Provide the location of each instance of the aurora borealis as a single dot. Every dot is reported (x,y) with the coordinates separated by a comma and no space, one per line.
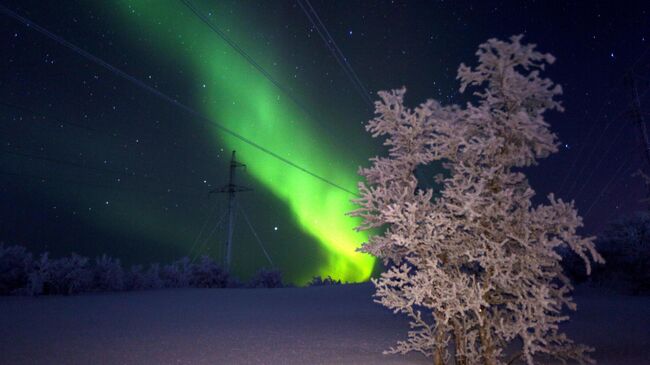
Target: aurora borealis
(243,100)
(96,165)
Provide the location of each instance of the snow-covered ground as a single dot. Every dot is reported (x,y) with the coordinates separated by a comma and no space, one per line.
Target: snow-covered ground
(321,325)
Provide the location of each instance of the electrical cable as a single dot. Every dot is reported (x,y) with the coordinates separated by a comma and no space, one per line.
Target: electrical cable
(87,167)
(81,126)
(336,52)
(599,114)
(61,180)
(208,217)
(257,238)
(164,96)
(247,57)
(612,143)
(615,176)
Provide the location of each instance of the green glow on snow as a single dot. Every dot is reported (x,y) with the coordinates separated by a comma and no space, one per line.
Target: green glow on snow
(236,95)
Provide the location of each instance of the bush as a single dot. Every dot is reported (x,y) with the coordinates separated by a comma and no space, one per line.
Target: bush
(152,278)
(318,281)
(266,278)
(107,274)
(15,264)
(134,279)
(64,276)
(208,274)
(177,274)
(21,274)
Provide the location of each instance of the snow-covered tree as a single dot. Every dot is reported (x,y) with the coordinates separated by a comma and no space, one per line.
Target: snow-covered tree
(328,281)
(108,274)
(64,276)
(134,279)
(177,274)
(476,267)
(15,264)
(266,278)
(152,278)
(208,274)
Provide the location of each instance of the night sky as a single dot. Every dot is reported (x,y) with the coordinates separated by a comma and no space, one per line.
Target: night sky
(93,163)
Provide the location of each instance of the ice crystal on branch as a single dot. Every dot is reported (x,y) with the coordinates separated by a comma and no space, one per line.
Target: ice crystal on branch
(476,269)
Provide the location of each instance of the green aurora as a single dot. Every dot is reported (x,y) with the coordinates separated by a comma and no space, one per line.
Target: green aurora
(236,95)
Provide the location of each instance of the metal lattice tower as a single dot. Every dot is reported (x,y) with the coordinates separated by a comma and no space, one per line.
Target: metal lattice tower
(232,190)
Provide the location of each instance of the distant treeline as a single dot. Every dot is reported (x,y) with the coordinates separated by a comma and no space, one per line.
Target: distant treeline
(22,273)
(625,245)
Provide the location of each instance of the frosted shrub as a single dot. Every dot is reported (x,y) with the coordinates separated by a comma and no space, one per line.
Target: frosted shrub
(107,274)
(38,275)
(134,279)
(65,276)
(476,268)
(208,274)
(318,281)
(266,278)
(177,274)
(15,264)
(153,277)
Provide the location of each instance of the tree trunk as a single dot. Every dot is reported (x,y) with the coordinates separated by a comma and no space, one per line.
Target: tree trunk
(437,358)
(459,342)
(438,353)
(487,347)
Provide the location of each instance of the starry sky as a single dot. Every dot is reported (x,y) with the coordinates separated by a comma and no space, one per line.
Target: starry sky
(94,163)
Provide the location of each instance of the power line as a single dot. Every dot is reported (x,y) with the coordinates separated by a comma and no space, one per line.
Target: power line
(336,51)
(606,187)
(31,111)
(593,150)
(257,238)
(246,56)
(599,116)
(207,219)
(207,238)
(85,166)
(637,115)
(613,141)
(163,96)
(582,145)
(341,55)
(202,246)
(81,126)
(57,179)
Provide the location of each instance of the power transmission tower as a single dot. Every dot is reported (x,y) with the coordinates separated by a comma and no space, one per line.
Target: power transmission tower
(232,190)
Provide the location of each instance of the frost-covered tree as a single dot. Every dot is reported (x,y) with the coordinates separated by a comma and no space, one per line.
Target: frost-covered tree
(108,274)
(177,274)
(476,267)
(64,276)
(134,279)
(266,278)
(208,274)
(15,264)
(328,281)
(152,278)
